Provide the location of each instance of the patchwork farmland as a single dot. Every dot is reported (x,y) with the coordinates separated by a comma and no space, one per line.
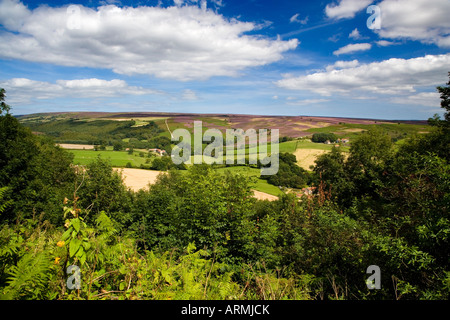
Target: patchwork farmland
(125,139)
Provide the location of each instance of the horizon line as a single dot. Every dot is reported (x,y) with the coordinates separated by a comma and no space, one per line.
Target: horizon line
(213,114)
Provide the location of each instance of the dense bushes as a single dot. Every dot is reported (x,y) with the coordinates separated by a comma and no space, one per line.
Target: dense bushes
(404,196)
(112,267)
(165,163)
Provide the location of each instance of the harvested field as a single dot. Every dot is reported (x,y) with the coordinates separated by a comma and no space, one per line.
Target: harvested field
(76,146)
(137,179)
(353,130)
(264,196)
(306,157)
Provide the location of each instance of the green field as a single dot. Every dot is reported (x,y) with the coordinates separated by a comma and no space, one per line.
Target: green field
(117,158)
(121,158)
(289,146)
(307,144)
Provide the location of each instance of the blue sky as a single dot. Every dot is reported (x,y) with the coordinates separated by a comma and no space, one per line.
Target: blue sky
(317,58)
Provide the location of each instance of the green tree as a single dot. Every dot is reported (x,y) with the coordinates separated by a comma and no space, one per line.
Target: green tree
(322,137)
(37,173)
(330,170)
(444,92)
(118,146)
(367,161)
(165,163)
(101,188)
(289,173)
(438,141)
(201,206)
(161,163)
(3,106)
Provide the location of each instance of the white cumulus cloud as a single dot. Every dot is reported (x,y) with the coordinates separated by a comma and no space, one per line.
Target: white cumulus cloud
(182,43)
(295,19)
(355,35)
(354,47)
(346,8)
(342,65)
(13,13)
(385,43)
(23,90)
(422,20)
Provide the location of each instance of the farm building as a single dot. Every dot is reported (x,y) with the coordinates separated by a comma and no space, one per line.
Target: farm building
(308,191)
(158,151)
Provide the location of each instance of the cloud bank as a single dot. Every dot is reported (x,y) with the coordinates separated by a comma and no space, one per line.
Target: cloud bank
(23,90)
(389,77)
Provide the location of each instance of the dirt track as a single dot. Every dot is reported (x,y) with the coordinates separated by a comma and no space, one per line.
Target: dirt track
(137,179)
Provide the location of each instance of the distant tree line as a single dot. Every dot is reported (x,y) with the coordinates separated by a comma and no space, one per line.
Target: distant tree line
(322,137)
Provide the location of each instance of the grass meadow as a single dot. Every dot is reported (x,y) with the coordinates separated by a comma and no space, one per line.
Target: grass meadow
(117,158)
